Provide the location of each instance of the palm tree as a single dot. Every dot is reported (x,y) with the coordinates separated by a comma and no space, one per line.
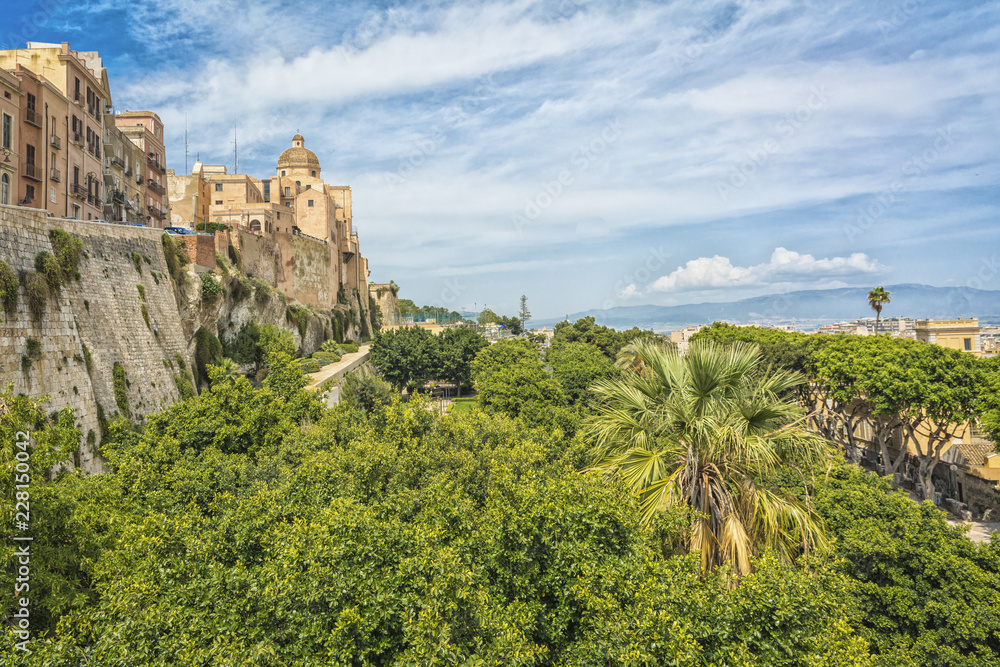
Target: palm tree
(705,430)
(635,351)
(876,298)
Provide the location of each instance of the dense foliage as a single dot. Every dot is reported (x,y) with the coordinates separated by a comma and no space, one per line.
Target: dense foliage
(585,330)
(249,525)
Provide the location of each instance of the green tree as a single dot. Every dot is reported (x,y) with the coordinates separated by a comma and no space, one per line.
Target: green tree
(524,313)
(406,356)
(365,391)
(459,347)
(487,316)
(512,324)
(926,393)
(706,430)
(989,399)
(578,365)
(925,594)
(877,298)
(586,330)
(502,354)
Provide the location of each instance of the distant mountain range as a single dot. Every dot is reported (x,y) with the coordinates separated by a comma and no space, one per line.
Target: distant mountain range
(805,309)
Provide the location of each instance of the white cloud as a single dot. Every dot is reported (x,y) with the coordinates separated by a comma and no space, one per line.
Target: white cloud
(784,266)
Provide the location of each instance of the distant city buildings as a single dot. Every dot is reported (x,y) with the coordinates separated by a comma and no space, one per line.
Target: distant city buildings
(64,150)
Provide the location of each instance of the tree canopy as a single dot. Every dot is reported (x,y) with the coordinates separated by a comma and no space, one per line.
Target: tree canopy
(251,524)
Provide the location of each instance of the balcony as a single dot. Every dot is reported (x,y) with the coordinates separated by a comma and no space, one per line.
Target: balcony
(155,187)
(117,162)
(33,117)
(107,139)
(155,212)
(93,200)
(128,171)
(78,190)
(55,142)
(54,175)
(32,171)
(151,161)
(118,196)
(138,178)
(78,139)
(78,98)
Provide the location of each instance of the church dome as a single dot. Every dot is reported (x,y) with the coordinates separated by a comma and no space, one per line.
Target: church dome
(298,156)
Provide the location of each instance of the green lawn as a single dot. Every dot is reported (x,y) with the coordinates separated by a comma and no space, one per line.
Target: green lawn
(462,405)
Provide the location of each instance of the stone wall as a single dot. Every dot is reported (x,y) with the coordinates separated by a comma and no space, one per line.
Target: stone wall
(261,257)
(200,249)
(388,302)
(101,312)
(223,241)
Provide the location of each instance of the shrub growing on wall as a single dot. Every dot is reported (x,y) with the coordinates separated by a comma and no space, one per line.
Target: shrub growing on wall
(208,350)
(300,317)
(210,288)
(234,257)
(121,388)
(8,287)
(137,261)
(175,257)
(37,290)
(68,250)
(47,265)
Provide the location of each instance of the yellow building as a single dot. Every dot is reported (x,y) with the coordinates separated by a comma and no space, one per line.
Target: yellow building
(960,334)
(294,202)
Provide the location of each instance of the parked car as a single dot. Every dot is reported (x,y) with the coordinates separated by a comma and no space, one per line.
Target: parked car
(178,230)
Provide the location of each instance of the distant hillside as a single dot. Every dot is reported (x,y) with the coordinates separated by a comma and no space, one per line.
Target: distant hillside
(808,308)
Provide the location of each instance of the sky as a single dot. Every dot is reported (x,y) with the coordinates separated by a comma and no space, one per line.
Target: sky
(592,154)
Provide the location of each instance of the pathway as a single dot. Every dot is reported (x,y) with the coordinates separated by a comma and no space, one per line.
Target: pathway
(347,363)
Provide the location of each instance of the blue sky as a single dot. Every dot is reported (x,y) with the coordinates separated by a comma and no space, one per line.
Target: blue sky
(593,154)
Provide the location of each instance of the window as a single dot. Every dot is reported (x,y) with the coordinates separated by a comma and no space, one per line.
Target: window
(76,176)
(8,122)
(218,202)
(29,194)
(218,187)
(968,344)
(282,172)
(30,154)
(310,202)
(76,211)
(31,101)
(288,204)
(298,184)
(288,192)
(4,189)
(52,195)
(314,173)
(308,187)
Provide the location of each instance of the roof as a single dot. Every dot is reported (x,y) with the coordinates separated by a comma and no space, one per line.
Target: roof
(298,157)
(976,451)
(138,114)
